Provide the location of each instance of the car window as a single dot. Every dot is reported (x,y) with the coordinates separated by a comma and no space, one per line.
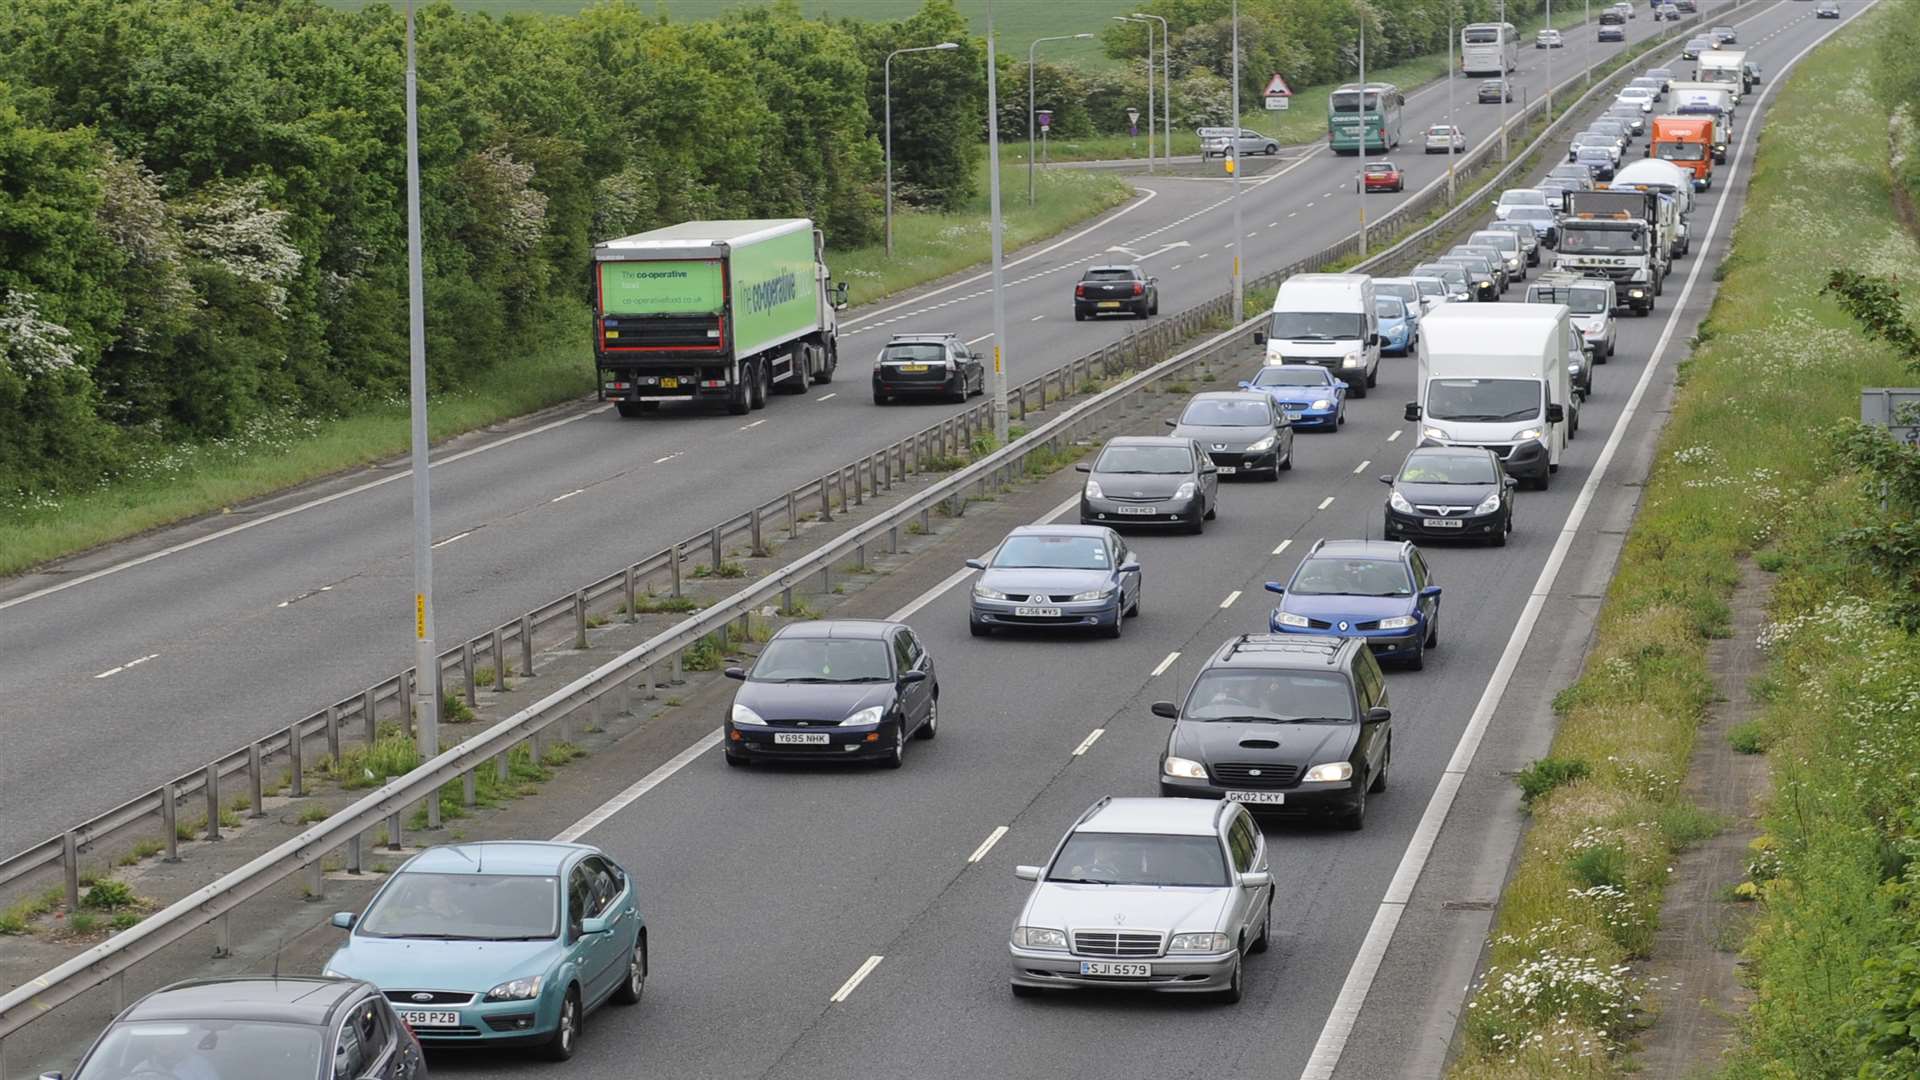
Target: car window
(1419,570)
(1043,552)
(1366,684)
(918,352)
(477,907)
(349,1052)
(1108,275)
(604,885)
(1140,859)
(1228,412)
(902,655)
(1248,695)
(1292,376)
(371,1021)
(822,660)
(1351,577)
(579,897)
(1240,843)
(1135,458)
(914,651)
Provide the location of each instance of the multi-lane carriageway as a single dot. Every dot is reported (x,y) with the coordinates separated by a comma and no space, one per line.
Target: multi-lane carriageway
(836,923)
(183,645)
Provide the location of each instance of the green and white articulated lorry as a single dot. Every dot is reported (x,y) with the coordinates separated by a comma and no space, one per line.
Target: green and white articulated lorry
(714,310)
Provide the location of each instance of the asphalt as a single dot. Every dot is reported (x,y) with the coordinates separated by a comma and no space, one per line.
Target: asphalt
(117,681)
(768,888)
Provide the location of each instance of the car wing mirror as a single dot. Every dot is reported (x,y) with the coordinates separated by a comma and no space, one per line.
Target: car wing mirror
(976,564)
(1027,873)
(1256,879)
(908,678)
(1275,587)
(1130,567)
(1386,478)
(599,924)
(1245,385)
(343,919)
(1556,413)
(1259,337)
(1173,423)
(1430,591)
(1079,466)
(1379,714)
(1413,411)
(1166,709)
(735,673)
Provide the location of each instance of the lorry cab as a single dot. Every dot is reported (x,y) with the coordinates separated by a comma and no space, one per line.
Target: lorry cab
(1686,141)
(1496,376)
(1328,320)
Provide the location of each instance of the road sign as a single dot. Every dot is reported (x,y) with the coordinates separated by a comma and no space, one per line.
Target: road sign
(1277,102)
(1277,87)
(1133,121)
(1045,116)
(1895,408)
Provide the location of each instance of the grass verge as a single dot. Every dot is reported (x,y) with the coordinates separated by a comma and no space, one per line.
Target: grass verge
(1740,463)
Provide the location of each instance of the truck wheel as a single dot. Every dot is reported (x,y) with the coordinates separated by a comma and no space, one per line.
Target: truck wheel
(757,387)
(825,374)
(740,398)
(802,376)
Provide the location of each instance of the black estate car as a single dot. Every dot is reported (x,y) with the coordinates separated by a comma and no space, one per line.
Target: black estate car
(1111,290)
(927,365)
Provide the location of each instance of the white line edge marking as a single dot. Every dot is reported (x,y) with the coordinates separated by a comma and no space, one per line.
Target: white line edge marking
(451,539)
(111,671)
(853,981)
(755,424)
(568,495)
(978,340)
(824,397)
(289,511)
(1228,602)
(1393,436)
(1324,503)
(1087,743)
(640,787)
(676,453)
(1284,544)
(1036,318)
(1362,467)
(987,844)
(1161,668)
(1345,1012)
(142,660)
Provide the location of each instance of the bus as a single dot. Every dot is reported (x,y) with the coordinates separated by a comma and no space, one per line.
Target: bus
(1383,107)
(1489,49)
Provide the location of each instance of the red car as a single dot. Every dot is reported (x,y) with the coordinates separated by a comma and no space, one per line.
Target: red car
(1383,176)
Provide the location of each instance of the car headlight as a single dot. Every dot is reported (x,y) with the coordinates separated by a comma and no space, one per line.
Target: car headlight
(1199,943)
(1486,283)
(1573,367)
(1094,594)
(1321,403)
(1332,770)
(1262,446)
(1093,490)
(516,989)
(1526,433)
(1353,359)
(1398,622)
(1185,491)
(745,717)
(985,593)
(1288,618)
(1433,433)
(1489,504)
(1636,293)
(1039,937)
(1399,502)
(865,716)
(1185,768)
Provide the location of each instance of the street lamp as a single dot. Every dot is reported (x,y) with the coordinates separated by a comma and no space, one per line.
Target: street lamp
(1549,63)
(426,664)
(1503,81)
(1166,84)
(999,240)
(1149,26)
(1451,129)
(886,92)
(1030,109)
(1366,14)
(1233,145)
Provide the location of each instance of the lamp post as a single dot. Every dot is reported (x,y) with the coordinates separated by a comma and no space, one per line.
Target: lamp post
(426,663)
(1451,129)
(999,240)
(886,93)
(1586,19)
(1166,85)
(1149,26)
(1233,143)
(1504,91)
(1549,63)
(1030,100)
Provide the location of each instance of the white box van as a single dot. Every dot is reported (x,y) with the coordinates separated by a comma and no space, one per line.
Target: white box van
(1495,375)
(1327,320)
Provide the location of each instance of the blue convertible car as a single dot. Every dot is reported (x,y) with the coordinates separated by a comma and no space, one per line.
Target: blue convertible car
(1310,395)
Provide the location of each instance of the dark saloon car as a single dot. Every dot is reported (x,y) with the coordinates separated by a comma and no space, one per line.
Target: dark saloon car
(1283,724)
(1491,89)
(927,365)
(1113,290)
(292,1027)
(1450,493)
(1245,433)
(835,690)
(1379,590)
(1056,577)
(1150,480)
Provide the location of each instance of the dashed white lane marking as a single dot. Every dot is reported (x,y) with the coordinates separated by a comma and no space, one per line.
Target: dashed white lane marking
(1204,254)
(1293,213)
(978,340)
(1393,436)
(1362,467)
(1283,546)
(1231,597)
(1177,266)
(1326,502)
(854,980)
(1088,742)
(129,664)
(669,457)
(568,495)
(824,397)
(1036,318)
(451,539)
(987,844)
(1165,664)
(749,427)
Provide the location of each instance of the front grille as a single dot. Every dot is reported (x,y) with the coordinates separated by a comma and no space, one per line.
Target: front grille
(1123,944)
(1271,775)
(1321,361)
(1441,511)
(1039,598)
(1500,451)
(411,999)
(662,331)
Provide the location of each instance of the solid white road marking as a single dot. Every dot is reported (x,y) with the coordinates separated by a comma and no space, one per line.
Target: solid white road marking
(568,495)
(1326,502)
(1231,597)
(1087,743)
(755,424)
(125,666)
(847,988)
(1366,965)
(1177,266)
(987,844)
(978,340)
(451,539)
(1283,546)
(1164,665)
(824,397)
(1362,467)
(1393,436)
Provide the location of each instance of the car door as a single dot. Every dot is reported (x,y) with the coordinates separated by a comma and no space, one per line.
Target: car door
(1209,476)
(589,959)
(349,1049)
(912,712)
(404,1063)
(377,1041)
(1282,432)
(926,688)
(1244,907)
(1370,686)
(1423,577)
(608,899)
(1128,582)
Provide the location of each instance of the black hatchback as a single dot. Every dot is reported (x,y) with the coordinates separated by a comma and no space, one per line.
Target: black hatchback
(1283,724)
(296,1027)
(1450,493)
(834,690)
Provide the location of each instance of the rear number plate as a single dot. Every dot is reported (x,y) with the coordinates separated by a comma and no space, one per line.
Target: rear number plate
(801,738)
(430,1019)
(1272,797)
(1110,967)
(669,383)
(1135,509)
(1228,470)
(1037,612)
(913,369)
(1442,523)
(1109,303)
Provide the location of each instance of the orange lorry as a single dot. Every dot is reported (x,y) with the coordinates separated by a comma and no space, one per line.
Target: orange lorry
(1687,141)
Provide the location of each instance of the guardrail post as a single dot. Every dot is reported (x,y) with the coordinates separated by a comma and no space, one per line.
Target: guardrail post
(502,767)
(296,768)
(222,936)
(859,488)
(469,789)
(893,540)
(526,646)
(860,556)
(353,854)
(495,650)
(393,831)
(316,887)
(370,713)
(826,578)
(333,738)
(713,550)
(753,526)
(70,866)
(212,784)
(466,671)
(786,600)
(580,619)
(793,519)
(926,521)
(826,498)
(170,822)
(254,784)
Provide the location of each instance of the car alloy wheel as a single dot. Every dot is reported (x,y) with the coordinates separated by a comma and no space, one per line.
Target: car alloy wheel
(898,757)
(1266,929)
(932,727)
(1386,762)
(1231,995)
(636,981)
(567,1033)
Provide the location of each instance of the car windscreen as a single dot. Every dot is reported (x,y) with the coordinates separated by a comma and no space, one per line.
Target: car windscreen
(1441,130)
(1220,413)
(1447,272)
(1595,153)
(1575,240)
(1523,198)
(1430,286)
(1318,325)
(1405,290)
(1481,37)
(1531,213)
(1278,697)
(1390,307)
(1483,401)
(1448,469)
(823,660)
(1126,458)
(1052,553)
(222,1049)
(1585,301)
(1494,238)
(465,907)
(1328,576)
(1680,151)
(919,353)
(1108,275)
(1139,859)
(1381,169)
(1281,376)
(1348,101)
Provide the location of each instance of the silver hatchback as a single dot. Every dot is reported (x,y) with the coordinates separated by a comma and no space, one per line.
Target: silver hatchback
(1152,894)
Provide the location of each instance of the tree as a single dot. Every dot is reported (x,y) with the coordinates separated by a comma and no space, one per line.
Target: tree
(939,102)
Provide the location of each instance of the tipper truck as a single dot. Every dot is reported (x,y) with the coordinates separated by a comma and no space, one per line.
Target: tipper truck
(1617,235)
(714,310)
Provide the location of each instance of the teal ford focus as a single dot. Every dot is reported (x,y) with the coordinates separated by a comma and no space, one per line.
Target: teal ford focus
(500,943)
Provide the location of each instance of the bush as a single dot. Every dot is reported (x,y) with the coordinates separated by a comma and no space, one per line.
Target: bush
(1546,774)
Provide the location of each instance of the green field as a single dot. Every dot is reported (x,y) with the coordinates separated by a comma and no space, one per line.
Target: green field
(1018,22)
